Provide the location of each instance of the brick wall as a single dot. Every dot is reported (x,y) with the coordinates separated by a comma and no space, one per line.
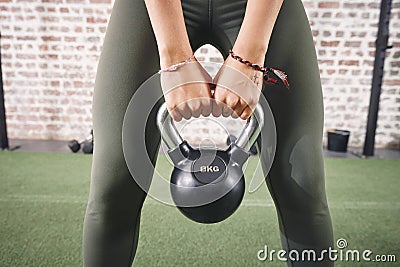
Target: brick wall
(50,50)
(345,34)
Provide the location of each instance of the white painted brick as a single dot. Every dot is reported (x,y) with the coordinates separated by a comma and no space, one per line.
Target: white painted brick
(50,53)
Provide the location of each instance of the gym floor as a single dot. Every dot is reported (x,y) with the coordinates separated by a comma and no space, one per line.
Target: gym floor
(43,199)
(61,147)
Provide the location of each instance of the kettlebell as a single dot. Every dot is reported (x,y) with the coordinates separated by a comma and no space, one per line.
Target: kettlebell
(207,184)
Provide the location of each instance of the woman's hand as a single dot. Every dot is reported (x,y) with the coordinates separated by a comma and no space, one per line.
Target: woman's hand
(237,89)
(251,44)
(173,45)
(187,91)
(184,98)
(189,100)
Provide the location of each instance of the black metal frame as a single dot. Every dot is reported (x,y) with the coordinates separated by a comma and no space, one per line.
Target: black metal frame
(3,125)
(381,46)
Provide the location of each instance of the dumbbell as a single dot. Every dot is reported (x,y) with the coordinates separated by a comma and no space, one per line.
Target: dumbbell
(87,144)
(87,147)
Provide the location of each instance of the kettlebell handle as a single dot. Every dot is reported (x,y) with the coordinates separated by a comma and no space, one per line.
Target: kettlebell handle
(246,139)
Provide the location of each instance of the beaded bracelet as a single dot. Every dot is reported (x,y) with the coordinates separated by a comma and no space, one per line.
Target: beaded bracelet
(177,66)
(265,70)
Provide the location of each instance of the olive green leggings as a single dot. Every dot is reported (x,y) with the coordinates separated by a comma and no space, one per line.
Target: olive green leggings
(296,178)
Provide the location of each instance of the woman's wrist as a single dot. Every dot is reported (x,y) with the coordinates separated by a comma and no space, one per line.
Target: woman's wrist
(251,51)
(172,55)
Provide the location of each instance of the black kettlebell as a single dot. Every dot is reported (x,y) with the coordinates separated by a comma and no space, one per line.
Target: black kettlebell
(207,185)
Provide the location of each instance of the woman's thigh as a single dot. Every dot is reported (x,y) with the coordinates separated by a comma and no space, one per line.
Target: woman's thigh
(298,111)
(296,179)
(129,56)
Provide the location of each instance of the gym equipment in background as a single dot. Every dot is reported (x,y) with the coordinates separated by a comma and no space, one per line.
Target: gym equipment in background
(207,185)
(87,144)
(338,140)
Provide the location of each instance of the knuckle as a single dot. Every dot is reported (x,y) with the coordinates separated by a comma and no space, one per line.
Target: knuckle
(171,105)
(205,102)
(176,117)
(216,112)
(218,98)
(193,106)
(244,116)
(254,101)
(206,111)
(232,101)
(243,106)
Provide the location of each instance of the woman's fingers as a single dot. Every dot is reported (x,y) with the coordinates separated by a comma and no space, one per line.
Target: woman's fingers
(206,106)
(228,103)
(194,107)
(246,113)
(176,116)
(217,108)
(194,100)
(226,111)
(185,111)
(233,102)
(189,100)
(240,107)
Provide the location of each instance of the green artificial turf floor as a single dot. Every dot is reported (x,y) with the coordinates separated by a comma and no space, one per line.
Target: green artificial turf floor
(43,198)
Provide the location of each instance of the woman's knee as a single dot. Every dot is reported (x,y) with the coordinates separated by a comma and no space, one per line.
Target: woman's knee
(297,178)
(112,185)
